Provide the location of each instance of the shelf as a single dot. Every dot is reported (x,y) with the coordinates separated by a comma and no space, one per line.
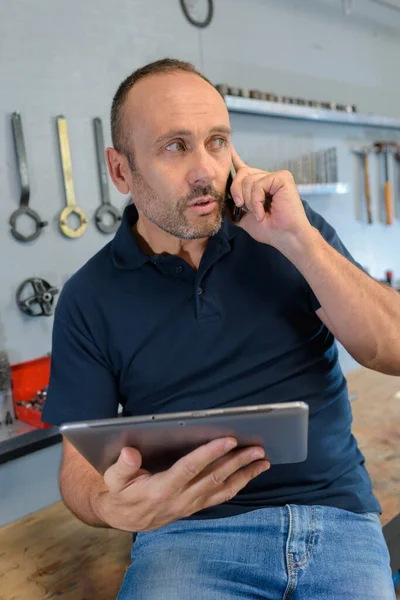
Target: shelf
(317,189)
(292,111)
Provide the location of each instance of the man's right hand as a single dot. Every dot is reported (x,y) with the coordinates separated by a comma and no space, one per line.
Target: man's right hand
(214,473)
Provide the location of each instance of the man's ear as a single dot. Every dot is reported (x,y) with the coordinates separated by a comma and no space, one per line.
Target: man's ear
(118,168)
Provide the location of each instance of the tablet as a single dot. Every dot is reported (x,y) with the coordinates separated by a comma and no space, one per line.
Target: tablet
(281,429)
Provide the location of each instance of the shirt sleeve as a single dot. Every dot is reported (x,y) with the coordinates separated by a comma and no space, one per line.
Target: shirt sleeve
(330,235)
(82,385)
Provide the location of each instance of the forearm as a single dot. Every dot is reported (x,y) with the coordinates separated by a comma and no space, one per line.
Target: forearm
(82,489)
(362,314)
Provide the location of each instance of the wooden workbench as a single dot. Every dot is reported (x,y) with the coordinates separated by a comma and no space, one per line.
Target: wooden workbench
(50,554)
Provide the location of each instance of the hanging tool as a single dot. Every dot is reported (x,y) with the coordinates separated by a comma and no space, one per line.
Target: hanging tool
(24,208)
(106,207)
(397,183)
(367,189)
(383,148)
(363,155)
(41,300)
(6,400)
(71,207)
(199,14)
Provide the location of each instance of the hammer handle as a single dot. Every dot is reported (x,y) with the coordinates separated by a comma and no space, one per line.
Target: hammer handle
(388,203)
(367,188)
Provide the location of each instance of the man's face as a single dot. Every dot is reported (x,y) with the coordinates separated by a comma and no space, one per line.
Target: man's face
(179,136)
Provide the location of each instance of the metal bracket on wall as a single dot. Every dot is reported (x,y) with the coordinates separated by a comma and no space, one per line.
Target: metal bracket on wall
(198,12)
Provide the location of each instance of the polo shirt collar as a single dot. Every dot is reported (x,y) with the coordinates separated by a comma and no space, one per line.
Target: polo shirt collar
(125,249)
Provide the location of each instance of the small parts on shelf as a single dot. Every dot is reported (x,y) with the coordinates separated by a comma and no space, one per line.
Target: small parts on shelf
(316,114)
(6,402)
(313,168)
(37,402)
(9,422)
(228,90)
(29,385)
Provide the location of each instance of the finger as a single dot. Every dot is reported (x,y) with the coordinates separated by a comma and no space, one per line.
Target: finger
(190,466)
(217,473)
(238,163)
(120,475)
(256,203)
(241,182)
(237,482)
(254,195)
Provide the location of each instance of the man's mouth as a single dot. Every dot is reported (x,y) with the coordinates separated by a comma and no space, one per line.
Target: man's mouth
(203,205)
(202,201)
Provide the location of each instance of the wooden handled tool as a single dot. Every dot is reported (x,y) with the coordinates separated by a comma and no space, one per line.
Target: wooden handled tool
(383,148)
(388,203)
(367,188)
(397,182)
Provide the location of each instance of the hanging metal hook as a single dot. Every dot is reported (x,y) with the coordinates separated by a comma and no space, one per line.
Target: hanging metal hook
(347,6)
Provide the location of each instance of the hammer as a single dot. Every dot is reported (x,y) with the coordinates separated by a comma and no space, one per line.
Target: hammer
(363,154)
(383,148)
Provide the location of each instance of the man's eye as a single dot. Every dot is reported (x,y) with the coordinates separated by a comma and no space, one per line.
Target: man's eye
(219,142)
(175,147)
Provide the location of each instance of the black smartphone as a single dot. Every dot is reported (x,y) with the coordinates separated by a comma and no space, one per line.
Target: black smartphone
(235,212)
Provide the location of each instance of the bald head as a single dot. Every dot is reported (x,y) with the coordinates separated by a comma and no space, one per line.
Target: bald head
(119,132)
(168,104)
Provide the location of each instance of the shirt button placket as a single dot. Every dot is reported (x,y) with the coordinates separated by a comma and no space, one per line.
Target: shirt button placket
(199,303)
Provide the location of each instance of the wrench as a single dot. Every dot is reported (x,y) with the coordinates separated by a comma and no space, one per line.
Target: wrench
(106,207)
(25,192)
(71,207)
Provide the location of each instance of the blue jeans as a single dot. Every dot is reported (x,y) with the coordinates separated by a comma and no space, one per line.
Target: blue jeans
(296,552)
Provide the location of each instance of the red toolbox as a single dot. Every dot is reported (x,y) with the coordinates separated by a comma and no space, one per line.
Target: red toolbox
(27,379)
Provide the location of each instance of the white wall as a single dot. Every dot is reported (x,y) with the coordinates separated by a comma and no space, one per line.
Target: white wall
(68,58)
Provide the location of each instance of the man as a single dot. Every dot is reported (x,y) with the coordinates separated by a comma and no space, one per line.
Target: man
(186,310)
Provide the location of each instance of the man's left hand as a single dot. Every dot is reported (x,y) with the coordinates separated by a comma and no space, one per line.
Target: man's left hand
(275,212)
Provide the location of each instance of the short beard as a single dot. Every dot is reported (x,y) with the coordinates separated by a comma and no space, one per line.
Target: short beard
(173,220)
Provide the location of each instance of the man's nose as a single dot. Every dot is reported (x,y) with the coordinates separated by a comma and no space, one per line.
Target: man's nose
(202,169)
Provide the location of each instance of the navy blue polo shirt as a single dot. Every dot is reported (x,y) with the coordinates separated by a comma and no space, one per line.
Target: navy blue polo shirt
(151,333)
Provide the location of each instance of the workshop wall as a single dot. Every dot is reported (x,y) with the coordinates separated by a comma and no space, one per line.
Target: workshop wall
(69,57)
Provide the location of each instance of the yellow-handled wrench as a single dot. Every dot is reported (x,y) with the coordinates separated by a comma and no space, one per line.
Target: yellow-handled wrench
(71,207)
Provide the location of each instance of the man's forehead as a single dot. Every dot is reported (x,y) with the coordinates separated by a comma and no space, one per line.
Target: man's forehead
(181,100)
